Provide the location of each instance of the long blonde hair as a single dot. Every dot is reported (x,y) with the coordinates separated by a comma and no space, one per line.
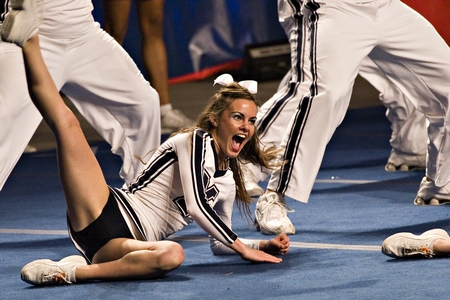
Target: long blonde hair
(253,151)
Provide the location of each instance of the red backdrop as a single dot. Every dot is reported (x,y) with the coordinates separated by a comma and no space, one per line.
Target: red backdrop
(437,12)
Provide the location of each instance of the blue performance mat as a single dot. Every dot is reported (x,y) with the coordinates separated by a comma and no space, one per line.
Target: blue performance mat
(335,254)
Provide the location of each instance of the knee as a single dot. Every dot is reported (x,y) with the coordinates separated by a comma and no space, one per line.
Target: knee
(147,97)
(170,256)
(145,109)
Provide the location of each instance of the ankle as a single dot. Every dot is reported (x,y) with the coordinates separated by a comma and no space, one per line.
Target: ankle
(441,247)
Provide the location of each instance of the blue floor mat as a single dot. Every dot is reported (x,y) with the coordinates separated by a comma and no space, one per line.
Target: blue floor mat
(354,203)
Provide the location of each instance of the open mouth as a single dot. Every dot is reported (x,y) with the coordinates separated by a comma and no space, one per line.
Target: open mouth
(238,140)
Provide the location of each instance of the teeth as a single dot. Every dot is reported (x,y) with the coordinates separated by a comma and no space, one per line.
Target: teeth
(241,136)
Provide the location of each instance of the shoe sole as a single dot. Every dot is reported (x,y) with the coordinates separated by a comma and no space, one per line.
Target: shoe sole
(402,168)
(419,201)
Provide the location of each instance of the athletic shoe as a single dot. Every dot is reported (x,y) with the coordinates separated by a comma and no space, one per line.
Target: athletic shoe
(30,149)
(47,272)
(251,184)
(430,194)
(173,120)
(402,168)
(404,162)
(22,22)
(408,245)
(271,215)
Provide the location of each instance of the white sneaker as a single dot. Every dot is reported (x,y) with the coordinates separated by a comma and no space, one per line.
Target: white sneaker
(405,162)
(174,120)
(430,194)
(47,272)
(271,215)
(407,245)
(22,22)
(251,184)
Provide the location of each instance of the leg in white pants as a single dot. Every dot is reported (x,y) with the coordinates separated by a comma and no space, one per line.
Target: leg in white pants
(18,116)
(409,137)
(402,44)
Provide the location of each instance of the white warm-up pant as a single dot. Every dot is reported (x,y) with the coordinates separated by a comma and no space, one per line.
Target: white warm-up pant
(403,44)
(19,118)
(409,135)
(103,83)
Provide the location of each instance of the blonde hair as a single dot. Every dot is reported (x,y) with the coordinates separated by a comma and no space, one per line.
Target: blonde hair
(253,151)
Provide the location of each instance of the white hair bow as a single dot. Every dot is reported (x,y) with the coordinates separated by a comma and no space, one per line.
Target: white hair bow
(250,85)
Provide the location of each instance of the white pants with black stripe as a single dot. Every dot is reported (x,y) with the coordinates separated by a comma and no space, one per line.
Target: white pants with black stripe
(409,136)
(402,44)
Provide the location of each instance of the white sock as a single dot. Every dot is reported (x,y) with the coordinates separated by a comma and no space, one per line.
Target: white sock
(165,108)
(71,274)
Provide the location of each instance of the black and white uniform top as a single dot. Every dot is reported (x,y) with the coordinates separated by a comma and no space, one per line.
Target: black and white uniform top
(182,183)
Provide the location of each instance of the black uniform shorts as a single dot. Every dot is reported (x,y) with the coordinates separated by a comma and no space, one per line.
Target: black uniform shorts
(109,225)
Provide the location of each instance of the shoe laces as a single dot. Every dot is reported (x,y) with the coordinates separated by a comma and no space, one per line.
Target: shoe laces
(58,278)
(418,249)
(280,207)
